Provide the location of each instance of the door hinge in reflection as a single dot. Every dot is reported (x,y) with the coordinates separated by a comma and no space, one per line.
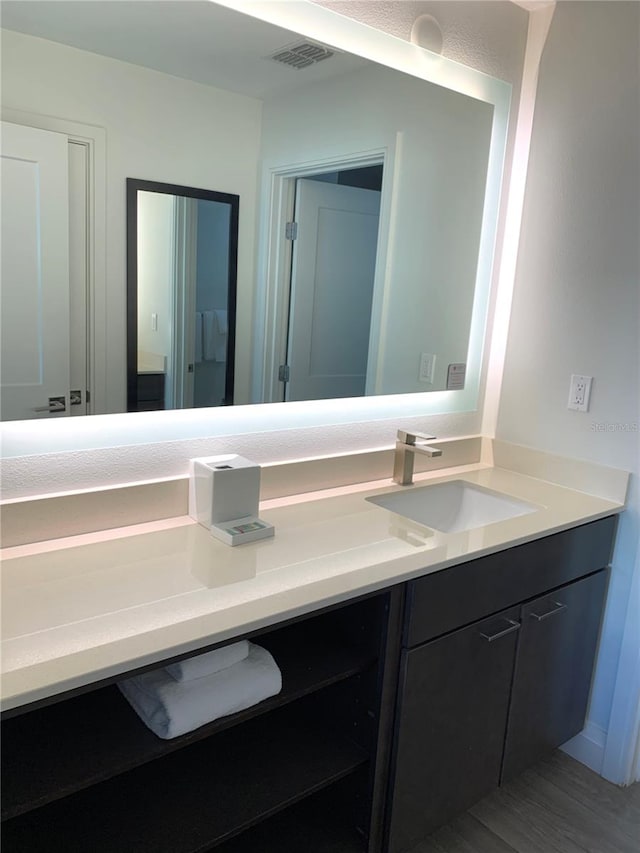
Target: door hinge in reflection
(291,231)
(283,373)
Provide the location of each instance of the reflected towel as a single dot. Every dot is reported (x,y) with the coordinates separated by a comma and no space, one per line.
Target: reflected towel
(221,321)
(221,330)
(209,663)
(215,331)
(198,344)
(171,708)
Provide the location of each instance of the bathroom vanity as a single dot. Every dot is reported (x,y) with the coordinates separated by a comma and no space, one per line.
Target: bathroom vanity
(420,670)
(495,672)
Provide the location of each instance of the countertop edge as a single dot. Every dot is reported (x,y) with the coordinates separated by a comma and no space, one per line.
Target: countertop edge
(111,660)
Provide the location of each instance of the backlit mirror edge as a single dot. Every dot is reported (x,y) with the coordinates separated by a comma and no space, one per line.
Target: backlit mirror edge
(25,438)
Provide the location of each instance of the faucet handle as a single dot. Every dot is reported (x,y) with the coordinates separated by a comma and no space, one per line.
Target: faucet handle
(410,438)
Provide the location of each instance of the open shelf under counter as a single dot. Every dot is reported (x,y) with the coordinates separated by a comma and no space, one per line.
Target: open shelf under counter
(95,736)
(322,823)
(197,797)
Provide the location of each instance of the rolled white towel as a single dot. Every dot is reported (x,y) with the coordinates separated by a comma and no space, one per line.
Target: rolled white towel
(208,663)
(171,708)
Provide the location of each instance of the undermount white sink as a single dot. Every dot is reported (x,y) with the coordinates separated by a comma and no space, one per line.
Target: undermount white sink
(454,506)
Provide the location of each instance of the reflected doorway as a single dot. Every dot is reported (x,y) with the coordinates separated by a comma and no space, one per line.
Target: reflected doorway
(182,261)
(333,260)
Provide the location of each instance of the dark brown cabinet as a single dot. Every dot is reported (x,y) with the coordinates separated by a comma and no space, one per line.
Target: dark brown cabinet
(150,392)
(556,650)
(452,719)
(486,695)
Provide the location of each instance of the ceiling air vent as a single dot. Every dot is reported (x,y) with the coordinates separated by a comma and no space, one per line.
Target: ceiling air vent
(302,54)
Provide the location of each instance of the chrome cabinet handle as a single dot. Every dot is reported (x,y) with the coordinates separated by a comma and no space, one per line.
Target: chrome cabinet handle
(513,626)
(558,607)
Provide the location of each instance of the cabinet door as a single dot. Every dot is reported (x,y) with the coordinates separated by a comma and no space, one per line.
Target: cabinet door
(450,725)
(554,665)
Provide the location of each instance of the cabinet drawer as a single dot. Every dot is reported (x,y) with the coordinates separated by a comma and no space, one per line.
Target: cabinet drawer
(151,386)
(462,594)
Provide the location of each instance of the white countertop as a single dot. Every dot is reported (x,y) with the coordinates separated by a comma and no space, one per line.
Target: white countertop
(151,362)
(88,607)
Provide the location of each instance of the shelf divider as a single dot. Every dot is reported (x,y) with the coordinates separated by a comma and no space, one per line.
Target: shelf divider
(319,824)
(201,796)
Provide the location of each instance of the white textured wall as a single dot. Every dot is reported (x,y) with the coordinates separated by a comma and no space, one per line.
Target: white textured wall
(158,128)
(575,307)
(488,36)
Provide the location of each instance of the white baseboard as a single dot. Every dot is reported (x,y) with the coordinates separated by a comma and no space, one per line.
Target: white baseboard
(588,747)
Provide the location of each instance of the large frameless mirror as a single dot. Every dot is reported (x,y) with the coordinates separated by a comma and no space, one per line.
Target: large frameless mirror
(432,132)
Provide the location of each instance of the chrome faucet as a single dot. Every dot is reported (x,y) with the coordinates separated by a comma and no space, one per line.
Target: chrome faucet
(406,448)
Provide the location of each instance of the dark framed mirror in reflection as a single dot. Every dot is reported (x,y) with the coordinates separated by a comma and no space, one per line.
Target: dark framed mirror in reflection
(182,259)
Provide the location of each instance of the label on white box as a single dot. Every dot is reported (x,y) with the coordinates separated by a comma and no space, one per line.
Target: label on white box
(242,530)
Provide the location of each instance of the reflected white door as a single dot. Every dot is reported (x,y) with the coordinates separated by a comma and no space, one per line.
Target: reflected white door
(332,279)
(34,292)
(79,214)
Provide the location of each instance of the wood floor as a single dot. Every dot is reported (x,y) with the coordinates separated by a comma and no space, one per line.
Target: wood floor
(559,806)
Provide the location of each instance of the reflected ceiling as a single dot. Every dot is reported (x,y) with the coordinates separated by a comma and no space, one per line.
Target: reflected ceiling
(211,44)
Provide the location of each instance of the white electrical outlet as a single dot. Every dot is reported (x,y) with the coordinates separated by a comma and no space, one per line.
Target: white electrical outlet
(154,322)
(579,392)
(427,367)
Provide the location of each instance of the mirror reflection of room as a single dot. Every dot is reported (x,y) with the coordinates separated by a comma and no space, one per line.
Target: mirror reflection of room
(263,130)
